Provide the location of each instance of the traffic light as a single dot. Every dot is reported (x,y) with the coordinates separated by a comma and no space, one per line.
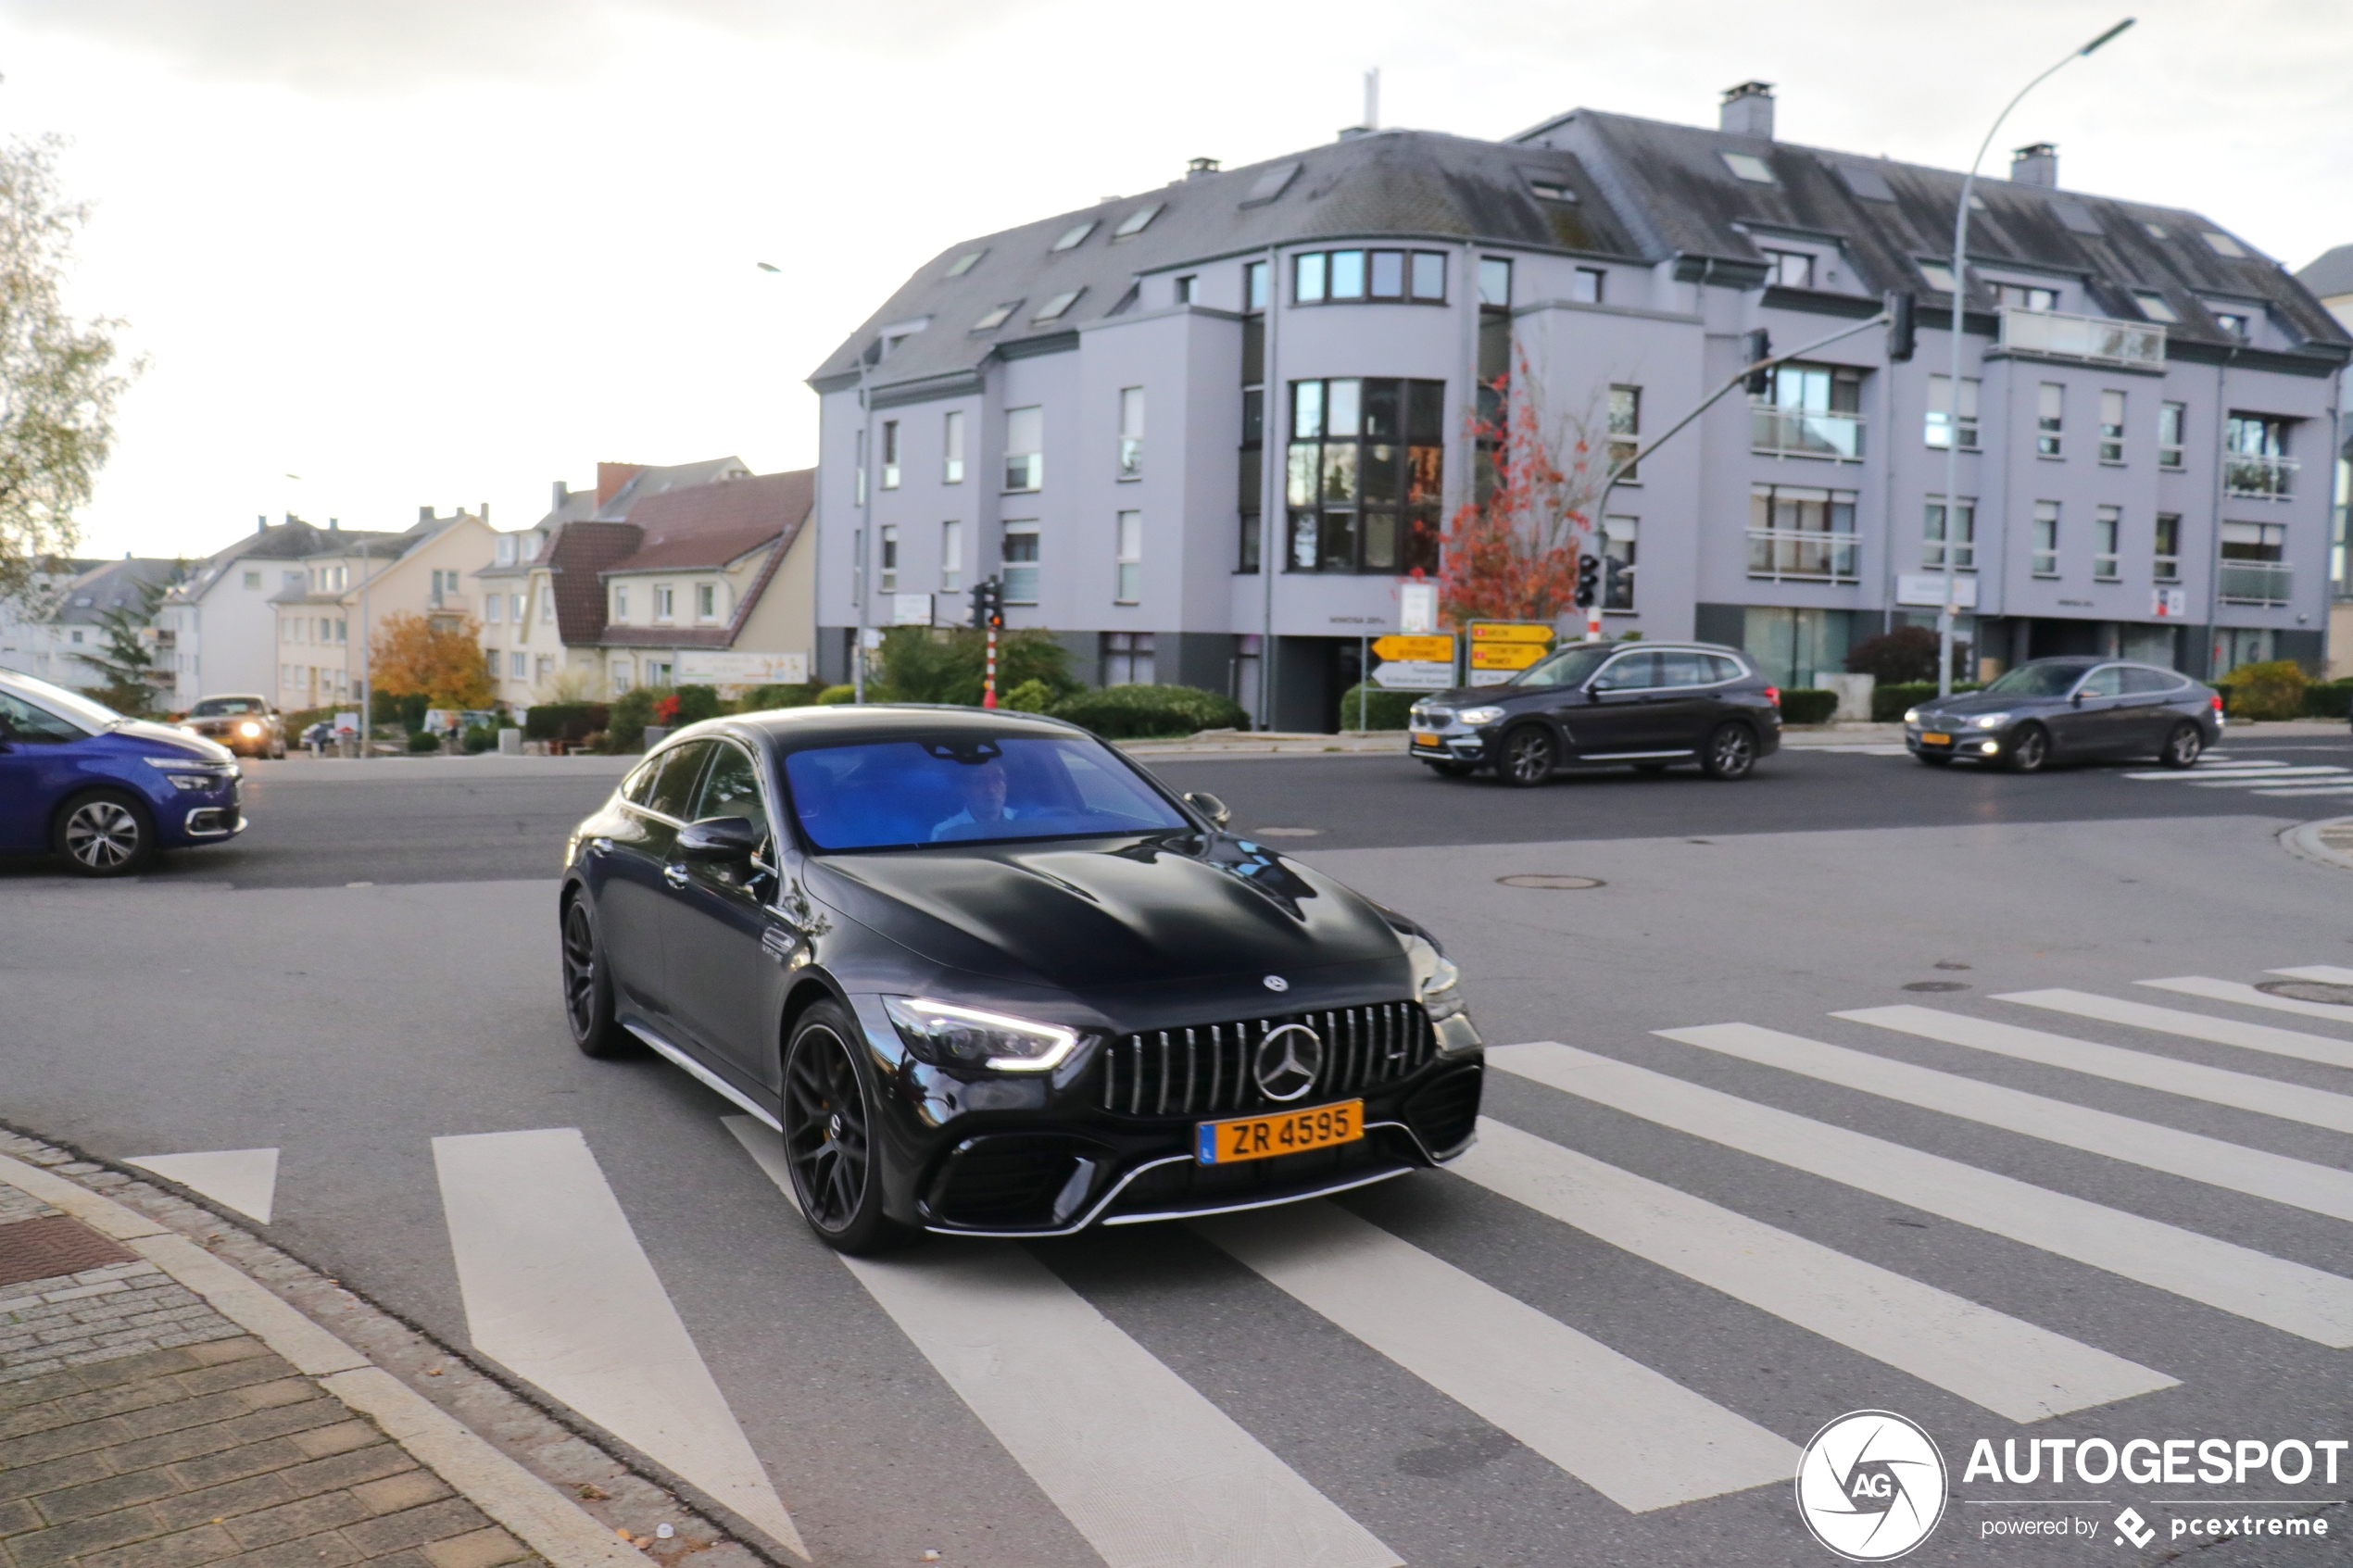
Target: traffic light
(1589,580)
(1760,348)
(1901,336)
(988,604)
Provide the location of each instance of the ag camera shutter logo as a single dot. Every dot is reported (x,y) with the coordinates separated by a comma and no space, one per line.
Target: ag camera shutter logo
(1870,1485)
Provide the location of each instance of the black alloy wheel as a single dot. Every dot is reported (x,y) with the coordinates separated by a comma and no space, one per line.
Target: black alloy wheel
(1730,752)
(1529,756)
(588,986)
(2183,746)
(1449,769)
(105,832)
(828,1136)
(2030,750)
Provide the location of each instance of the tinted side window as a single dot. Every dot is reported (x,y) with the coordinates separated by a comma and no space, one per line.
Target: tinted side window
(21,720)
(2106,681)
(731,789)
(2139,681)
(1630,672)
(640,782)
(1677,668)
(675,786)
(1720,669)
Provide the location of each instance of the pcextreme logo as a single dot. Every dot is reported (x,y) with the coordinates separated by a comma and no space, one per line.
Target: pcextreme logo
(1870,1485)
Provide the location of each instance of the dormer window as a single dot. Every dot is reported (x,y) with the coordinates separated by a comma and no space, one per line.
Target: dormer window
(2025,297)
(1551,191)
(1748,167)
(506,549)
(1938,275)
(1789,268)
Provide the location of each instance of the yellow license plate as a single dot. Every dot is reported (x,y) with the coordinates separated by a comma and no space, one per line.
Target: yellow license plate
(1264,1137)
(1425,737)
(1932,738)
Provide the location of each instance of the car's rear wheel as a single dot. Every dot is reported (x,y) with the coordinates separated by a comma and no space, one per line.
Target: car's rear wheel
(1730,752)
(1450,770)
(1529,756)
(2030,750)
(2183,746)
(588,986)
(105,832)
(829,1142)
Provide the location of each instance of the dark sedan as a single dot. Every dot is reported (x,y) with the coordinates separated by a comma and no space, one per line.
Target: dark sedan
(988,977)
(2070,710)
(1642,705)
(247,725)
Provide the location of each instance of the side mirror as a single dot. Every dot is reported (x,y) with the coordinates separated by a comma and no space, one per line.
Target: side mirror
(718,839)
(1209,806)
(1593,692)
(2076,697)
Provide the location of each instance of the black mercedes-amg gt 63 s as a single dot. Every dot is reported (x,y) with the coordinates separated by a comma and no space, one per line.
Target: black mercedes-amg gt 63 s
(988,977)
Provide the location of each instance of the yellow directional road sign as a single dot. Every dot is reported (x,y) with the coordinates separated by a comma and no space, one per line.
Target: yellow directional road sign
(1508,645)
(1510,632)
(1420,649)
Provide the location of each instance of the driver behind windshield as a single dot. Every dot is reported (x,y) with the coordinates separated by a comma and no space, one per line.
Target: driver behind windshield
(985,812)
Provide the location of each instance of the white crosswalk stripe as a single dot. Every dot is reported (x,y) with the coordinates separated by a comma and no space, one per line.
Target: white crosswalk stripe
(2248,995)
(2301,793)
(2255,1172)
(2271,776)
(1638,1437)
(2326,973)
(2294,1298)
(2207,770)
(1148,1471)
(2192,1080)
(2192,1025)
(1988,1358)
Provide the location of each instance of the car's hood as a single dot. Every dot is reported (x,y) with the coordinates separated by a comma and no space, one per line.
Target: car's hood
(1963,704)
(1470,696)
(1109,914)
(152,736)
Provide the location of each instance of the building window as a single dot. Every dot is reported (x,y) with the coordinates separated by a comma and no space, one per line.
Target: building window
(491,659)
(2255,541)
(2171,420)
(621,603)
(253,580)
(543,666)
(343,630)
(951,445)
(1350,276)
(2254,566)
(1940,422)
(1254,290)
(1127,659)
(1495,282)
(889,584)
(1789,268)
(1362,479)
(1586,285)
(2233,324)
(706,601)
(1798,533)
(2107,524)
(665,602)
(2050,409)
(2046,522)
(657,671)
(2112,427)
(493,608)
(2153,305)
(1021,563)
(952,557)
(1625,431)
(1963,540)
(2169,547)
(860,467)
(1619,535)
(1074,236)
(1938,275)
(1054,308)
(1025,448)
(1131,432)
(1810,411)
(506,552)
(546,603)
(514,608)
(997,315)
(890,455)
(2255,460)
(1748,167)
(622,676)
(2023,296)
(1131,558)
(1184,286)
(517,664)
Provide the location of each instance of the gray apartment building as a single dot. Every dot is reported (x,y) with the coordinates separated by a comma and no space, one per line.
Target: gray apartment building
(1202,432)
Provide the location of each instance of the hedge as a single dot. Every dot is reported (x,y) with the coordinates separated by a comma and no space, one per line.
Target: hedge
(1136,712)
(1380,708)
(1808,705)
(2329,699)
(568,721)
(1888,702)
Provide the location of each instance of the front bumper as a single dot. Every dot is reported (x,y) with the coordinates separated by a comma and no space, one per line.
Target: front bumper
(1984,746)
(1456,742)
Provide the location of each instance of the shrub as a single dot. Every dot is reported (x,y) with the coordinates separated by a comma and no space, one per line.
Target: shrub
(480,739)
(1905,656)
(423,741)
(1808,705)
(762,699)
(2274,689)
(1136,712)
(2328,699)
(1031,697)
(923,665)
(1888,702)
(1374,707)
(569,722)
(833,694)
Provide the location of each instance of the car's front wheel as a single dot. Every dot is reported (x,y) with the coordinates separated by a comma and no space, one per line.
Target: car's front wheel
(2030,750)
(105,832)
(829,1141)
(1529,756)
(2182,747)
(1730,752)
(588,986)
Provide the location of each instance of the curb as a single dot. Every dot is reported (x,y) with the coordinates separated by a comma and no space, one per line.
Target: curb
(530,1507)
(2327,843)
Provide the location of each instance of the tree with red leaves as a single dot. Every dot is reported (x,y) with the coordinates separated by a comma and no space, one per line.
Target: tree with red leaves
(1512,551)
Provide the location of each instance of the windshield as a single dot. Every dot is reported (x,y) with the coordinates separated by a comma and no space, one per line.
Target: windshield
(212,706)
(93,716)
(967,788)
(1571,667)
(2039,680)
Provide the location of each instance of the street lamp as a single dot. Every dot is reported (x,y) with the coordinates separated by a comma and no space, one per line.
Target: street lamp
(1953,389)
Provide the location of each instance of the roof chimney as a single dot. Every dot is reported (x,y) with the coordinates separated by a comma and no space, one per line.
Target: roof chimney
(2035,164)
(424,513)
(1196,168)
(562,492)
(261,523)
(1748,110)
(485,513)
(334,525)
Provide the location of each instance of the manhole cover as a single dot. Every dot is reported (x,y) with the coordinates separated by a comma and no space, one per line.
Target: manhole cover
(53,1246)
(1286,833)
(1935,985)
(2308,991)
(1542,879)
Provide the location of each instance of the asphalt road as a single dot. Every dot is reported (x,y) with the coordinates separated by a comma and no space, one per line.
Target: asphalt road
(247,998)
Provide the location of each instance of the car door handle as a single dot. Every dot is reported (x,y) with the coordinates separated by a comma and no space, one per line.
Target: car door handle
(674,875)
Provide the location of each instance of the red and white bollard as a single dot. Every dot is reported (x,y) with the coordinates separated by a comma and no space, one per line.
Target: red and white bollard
(989,679)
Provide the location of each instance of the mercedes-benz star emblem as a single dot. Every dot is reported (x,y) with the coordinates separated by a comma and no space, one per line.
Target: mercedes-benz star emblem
(1287,1062)
(1277,983)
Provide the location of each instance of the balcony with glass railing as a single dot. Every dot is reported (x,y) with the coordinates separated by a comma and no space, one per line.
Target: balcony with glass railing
(2095,339)
(2255,582)
(1777,431)
(2257,477)
(1789,554)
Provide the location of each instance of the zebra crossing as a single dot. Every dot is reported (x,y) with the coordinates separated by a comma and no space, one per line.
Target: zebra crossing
(2270,777)
(1153,1466)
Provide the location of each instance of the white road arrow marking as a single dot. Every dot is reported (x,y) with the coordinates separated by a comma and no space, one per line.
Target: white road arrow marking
(245,1179)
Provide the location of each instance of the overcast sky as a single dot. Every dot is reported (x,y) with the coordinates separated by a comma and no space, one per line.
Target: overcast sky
(442,252)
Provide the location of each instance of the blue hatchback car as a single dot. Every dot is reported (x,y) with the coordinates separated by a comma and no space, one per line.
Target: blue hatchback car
(102,791)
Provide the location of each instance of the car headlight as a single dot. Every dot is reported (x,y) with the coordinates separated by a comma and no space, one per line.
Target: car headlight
(248,728)
(1476,716)
(1438,986)
(944,1033)
(1911,716)
(1989,721)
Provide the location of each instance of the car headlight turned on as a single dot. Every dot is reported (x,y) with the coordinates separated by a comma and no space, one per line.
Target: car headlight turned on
(1990,720)
(1437,985)
(249,729)
(1911,716)
(1476,716)
(946,1034)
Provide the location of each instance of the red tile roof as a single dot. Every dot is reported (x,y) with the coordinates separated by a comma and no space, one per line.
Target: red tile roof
(583,551)
(707,526)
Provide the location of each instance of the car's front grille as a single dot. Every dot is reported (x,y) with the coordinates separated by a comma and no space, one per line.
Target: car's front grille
(1205,1070)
